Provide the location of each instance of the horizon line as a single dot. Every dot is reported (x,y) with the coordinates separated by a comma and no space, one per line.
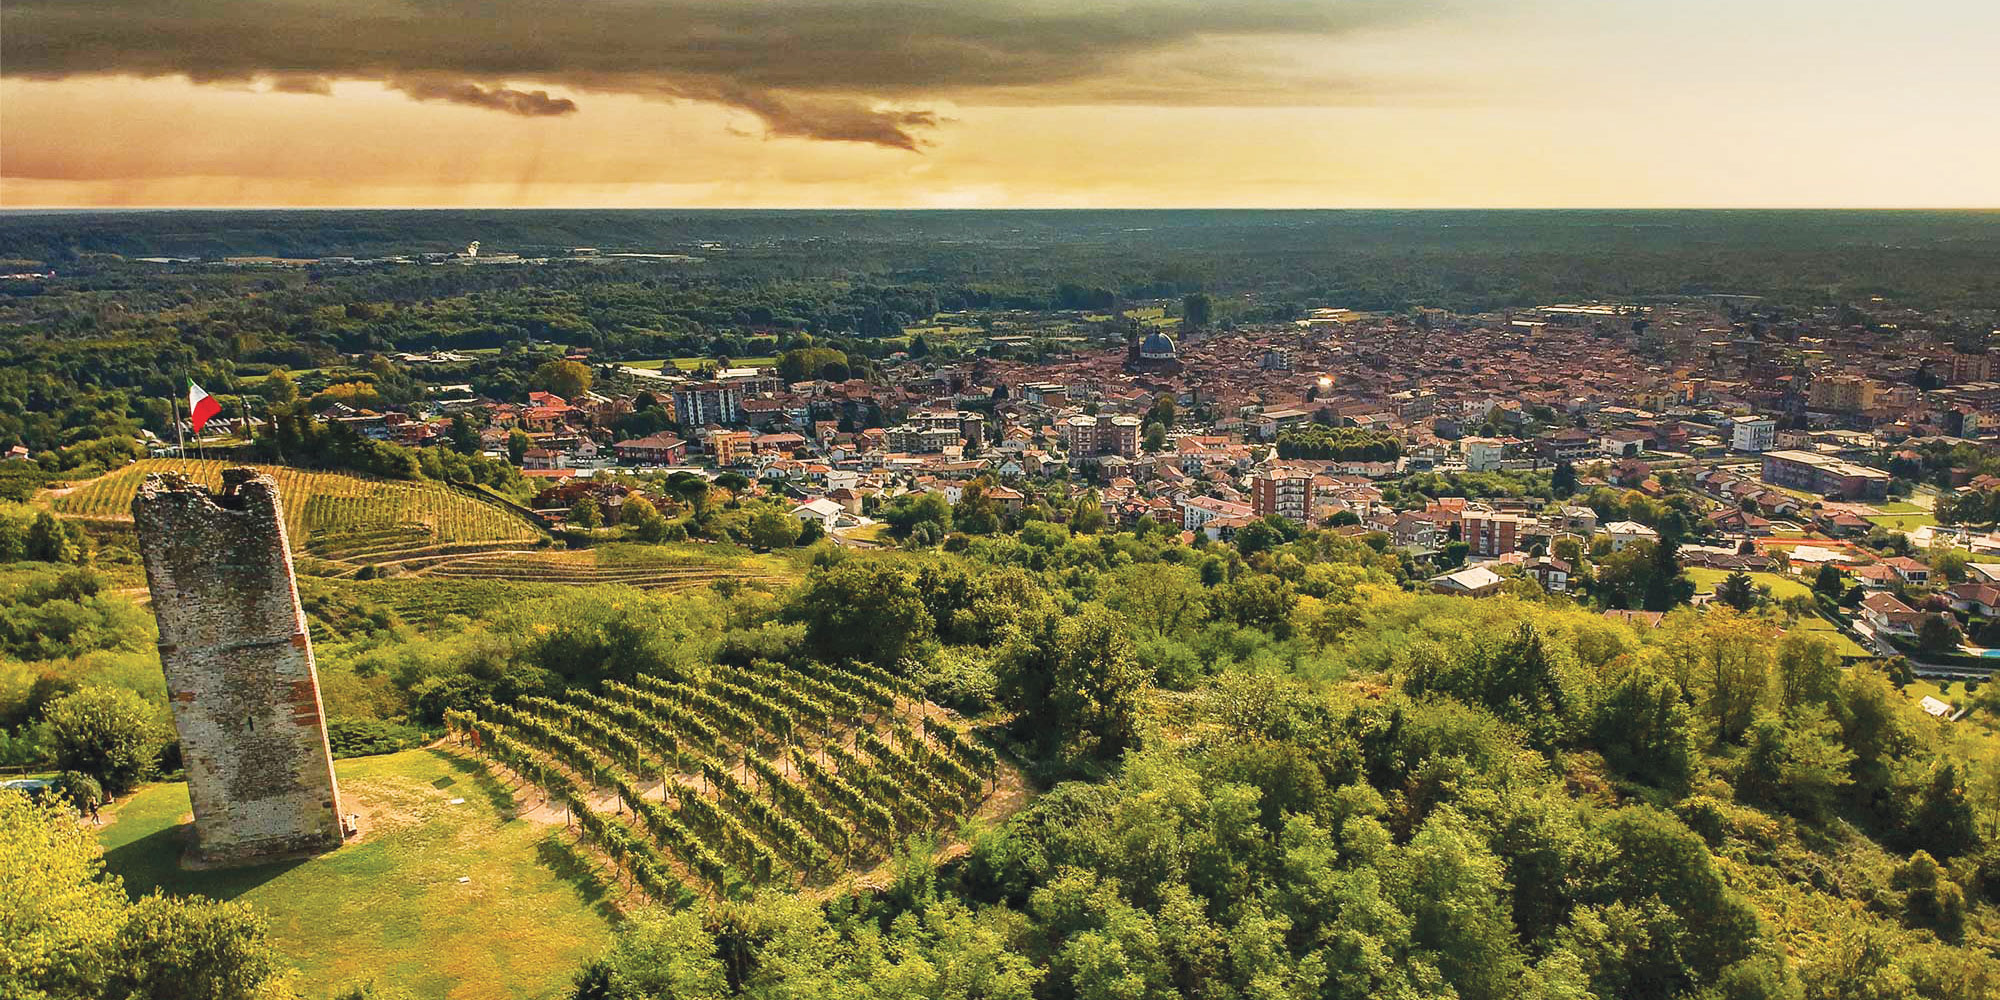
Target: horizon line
(24,209)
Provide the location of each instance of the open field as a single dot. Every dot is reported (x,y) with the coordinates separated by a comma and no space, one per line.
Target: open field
(690,364)
(1705,581)
(391,905)
(344,520)
(649,567)
(1846,645)
(1782,586)
(874,534)
(1904,520)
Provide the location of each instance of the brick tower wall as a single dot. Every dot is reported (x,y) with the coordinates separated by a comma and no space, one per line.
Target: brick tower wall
(239,667)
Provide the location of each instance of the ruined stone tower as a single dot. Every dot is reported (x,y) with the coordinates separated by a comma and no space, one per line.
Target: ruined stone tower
(239,667)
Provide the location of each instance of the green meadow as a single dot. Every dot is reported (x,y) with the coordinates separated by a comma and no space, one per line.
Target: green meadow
(392,906)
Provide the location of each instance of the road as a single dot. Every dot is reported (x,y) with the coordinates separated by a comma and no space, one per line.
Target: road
(1867,636)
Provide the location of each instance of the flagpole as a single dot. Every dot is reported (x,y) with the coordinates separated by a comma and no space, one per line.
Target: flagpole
(179,437)
(200,453)
(277,439)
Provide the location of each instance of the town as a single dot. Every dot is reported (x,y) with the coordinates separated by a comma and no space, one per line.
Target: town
(1819,457)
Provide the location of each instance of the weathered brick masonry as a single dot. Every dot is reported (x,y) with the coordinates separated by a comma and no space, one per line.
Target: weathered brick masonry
(239,667)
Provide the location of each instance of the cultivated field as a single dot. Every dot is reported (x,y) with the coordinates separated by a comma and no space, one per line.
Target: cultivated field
(649,567)
(796,777)
(342,522)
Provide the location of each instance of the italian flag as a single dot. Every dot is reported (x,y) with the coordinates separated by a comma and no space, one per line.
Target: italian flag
(201,407)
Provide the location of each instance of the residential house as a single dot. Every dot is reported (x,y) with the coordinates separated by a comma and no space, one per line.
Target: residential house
(1982,599)
(1552,573)
(1843,524)
(1475,581)
(828,512)
(1736,521)
(1482,454)
(1578,520)
(1909,570)
(663,448)
(1884,613)
(1623,533)
(1196,512)
(1636,619)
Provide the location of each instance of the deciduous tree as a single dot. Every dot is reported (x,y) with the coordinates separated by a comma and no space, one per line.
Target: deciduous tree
(568,379)
(108,733)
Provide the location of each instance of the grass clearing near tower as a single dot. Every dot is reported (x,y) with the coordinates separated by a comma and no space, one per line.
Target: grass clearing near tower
(390,905)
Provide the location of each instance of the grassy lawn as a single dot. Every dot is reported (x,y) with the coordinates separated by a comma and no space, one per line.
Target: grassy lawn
(1706,579)
(690,364)
(1847,646)
(877,533)
(391,906)
(1904,520)
(1918,688)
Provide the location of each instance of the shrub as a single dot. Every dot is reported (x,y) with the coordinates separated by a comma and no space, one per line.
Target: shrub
(369,737)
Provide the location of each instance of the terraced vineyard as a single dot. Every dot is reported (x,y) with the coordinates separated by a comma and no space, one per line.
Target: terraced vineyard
(338,522)
(429,599)
(772,776)
(649,567)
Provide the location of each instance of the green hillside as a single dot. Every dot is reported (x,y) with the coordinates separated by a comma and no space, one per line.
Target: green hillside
(342,521)
(392,906)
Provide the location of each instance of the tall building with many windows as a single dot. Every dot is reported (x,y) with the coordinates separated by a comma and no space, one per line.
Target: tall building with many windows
(697,403)
(1287,493)
(1753,434)
(1488,533)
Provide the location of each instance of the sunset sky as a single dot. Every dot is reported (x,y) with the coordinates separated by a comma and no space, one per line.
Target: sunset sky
(1000,103)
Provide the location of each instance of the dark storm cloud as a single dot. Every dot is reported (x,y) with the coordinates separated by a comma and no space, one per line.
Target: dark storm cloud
(527,103)
(823,69)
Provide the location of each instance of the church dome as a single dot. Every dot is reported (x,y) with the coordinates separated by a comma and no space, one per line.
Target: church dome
(1157,346)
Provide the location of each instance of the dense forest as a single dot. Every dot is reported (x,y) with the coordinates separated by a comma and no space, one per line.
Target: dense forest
(1358,259)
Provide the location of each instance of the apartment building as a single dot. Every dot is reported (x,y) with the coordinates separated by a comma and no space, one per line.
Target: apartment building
(698,403)
(1753,434)
(1287,493)
(1489,533)
(1824,475)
